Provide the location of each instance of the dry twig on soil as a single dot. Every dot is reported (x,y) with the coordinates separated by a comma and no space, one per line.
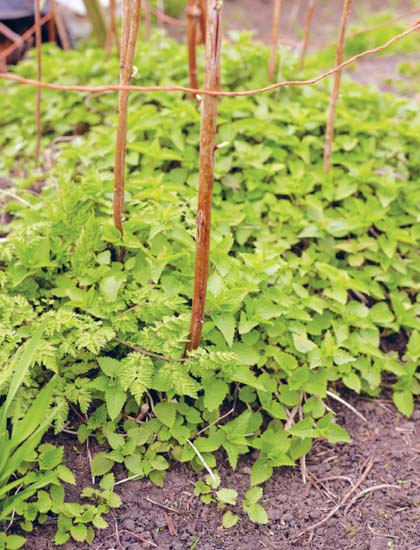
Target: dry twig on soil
(366,468)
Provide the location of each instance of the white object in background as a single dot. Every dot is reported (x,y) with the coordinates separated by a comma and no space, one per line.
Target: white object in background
(78,6)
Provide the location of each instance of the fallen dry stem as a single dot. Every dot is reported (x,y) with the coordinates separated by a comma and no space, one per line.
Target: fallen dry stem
(367,491)
(366,468)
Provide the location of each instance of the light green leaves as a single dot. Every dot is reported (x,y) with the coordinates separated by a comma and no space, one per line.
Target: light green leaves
(404,402)
(215,391)
(229,520)
(166,413)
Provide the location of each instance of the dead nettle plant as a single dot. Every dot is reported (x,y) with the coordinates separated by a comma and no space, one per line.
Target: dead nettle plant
(129,32)
(112,30)
(196,20)
(329,134)
(206,177)
(38,42)
(307,31)
(274,39)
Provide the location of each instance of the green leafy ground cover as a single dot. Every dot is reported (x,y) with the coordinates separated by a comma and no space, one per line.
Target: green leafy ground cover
(313,276)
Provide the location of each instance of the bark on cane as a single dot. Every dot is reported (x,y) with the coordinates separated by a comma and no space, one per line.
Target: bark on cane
(130,27)
(57,20)
(192,14)
(38,40)
(329,134)
(206,179)
(274,39)
(112,31)
(308,23)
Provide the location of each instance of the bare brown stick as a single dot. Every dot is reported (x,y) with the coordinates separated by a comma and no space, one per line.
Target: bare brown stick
(148,8)
(112,31)
(274,39)
(38,39)
(192,15)
(22,38)
(308,23)
(206,177)
(212,93)
(59,23)
(131,21)
(329,134)
(203,22)
(8,33)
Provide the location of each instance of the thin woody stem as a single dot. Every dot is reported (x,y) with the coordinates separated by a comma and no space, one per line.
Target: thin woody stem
(183,89)
(308,23)
(130,27)
(206,176)
(192,15)
(329,134)
(112,31)
(38,40)
(274,39)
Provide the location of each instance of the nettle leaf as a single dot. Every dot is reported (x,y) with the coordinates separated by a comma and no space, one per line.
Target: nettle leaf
(111,367)
(228,496)
(413,346)
(303,344)
(230,519)
(115,398)
(50,456)
(226,324)
(404,402)
(215,391)
(101,464)
(257,514)
(260,472)
(166,413)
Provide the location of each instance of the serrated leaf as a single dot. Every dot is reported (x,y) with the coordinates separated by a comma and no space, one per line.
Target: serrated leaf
(260,472)
(101,464)
(303,344)
(228,496)
(215,391)
(115,397)
(257,514)
(226,324)
(230,519)
(79,532)
(404,402)
(166,413)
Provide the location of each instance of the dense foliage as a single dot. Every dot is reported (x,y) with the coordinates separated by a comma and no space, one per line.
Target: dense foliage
(313,279)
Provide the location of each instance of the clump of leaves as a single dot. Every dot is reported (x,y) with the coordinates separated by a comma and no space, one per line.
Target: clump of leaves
(314,278)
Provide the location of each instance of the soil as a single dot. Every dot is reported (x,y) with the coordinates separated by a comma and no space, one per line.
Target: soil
(386,517)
